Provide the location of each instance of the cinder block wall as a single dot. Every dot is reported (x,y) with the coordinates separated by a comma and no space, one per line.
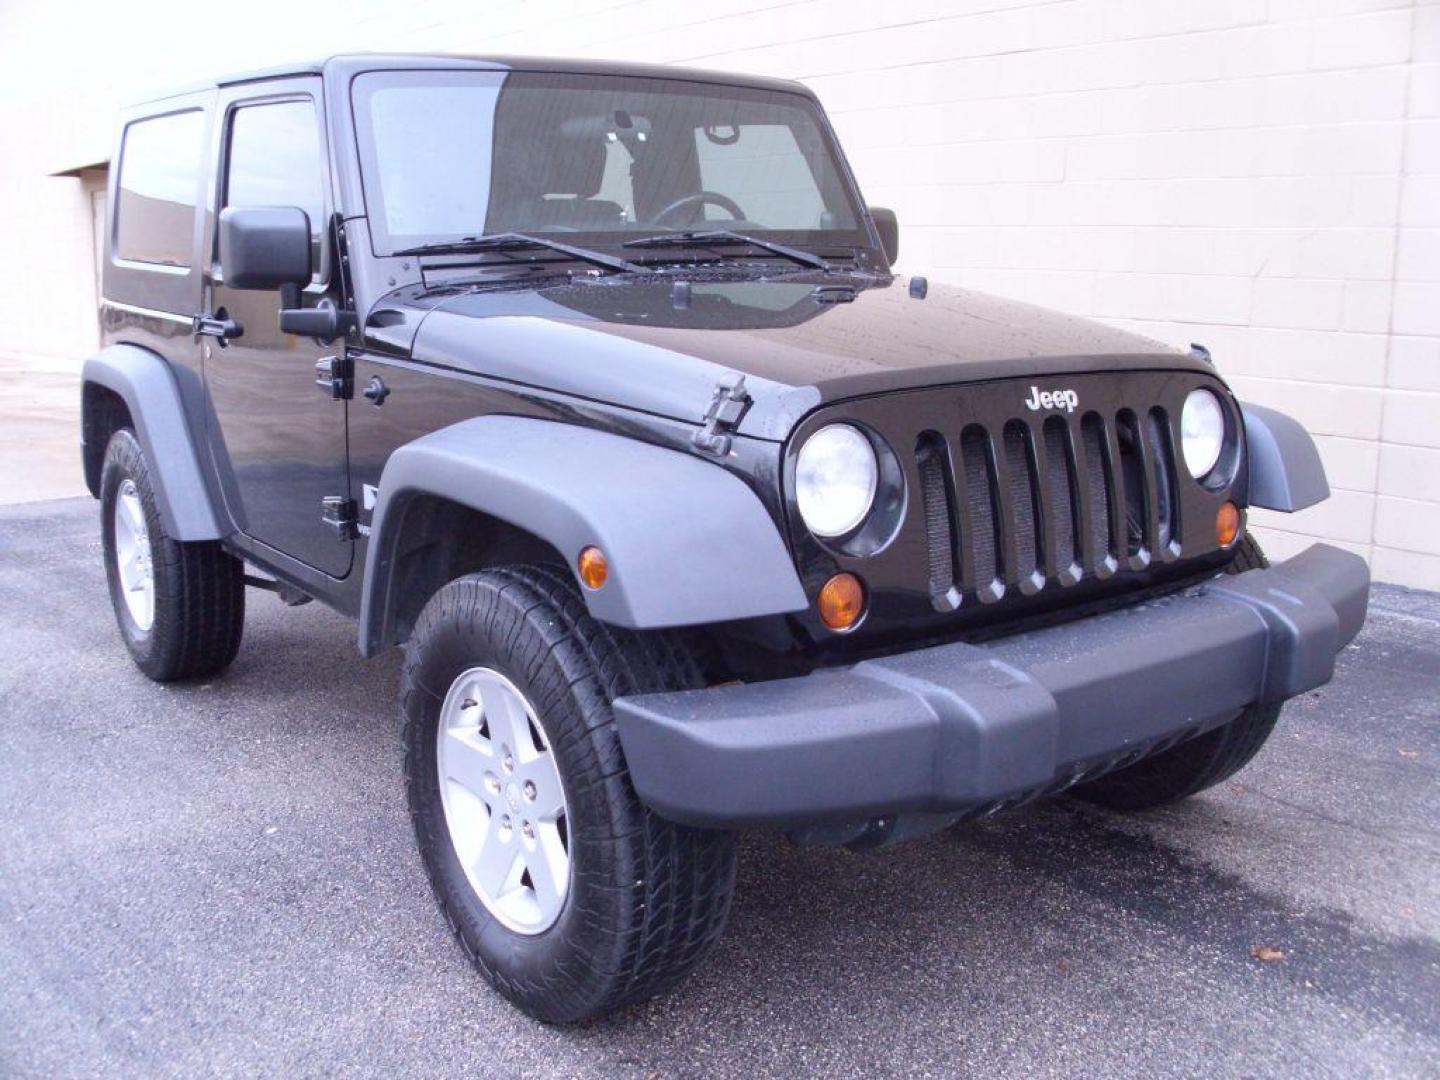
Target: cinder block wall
(1262,176)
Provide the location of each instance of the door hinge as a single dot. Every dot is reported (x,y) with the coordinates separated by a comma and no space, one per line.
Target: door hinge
(335,375)
(338,512)
(727,407)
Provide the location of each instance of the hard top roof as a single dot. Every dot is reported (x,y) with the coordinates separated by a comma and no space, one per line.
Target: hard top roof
(348,64)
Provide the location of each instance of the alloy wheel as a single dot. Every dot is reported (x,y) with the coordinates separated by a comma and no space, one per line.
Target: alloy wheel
(133,556)
(504,804)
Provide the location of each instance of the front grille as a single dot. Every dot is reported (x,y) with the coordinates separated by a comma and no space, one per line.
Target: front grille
(1045,499)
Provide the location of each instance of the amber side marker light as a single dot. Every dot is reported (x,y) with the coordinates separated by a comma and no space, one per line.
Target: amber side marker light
(594,570)
(1227,524)
(841,602)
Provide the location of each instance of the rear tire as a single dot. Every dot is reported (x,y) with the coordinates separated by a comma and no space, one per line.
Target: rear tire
(180,606)
(1198,763)
(644,899)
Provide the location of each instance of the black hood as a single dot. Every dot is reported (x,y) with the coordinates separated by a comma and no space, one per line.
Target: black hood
(800,340)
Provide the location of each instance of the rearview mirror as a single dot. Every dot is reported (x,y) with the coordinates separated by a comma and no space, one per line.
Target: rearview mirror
(888,226)
(264,247)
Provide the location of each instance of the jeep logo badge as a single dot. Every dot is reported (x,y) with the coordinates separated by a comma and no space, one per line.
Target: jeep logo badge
(1052,399)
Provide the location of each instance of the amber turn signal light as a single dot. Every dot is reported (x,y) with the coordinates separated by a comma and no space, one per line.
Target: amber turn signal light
(1227,524)
(594,570)
(841,602)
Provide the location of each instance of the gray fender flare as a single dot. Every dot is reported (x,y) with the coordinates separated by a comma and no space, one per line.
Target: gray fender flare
(147,385)
(1285,469)
(687,542)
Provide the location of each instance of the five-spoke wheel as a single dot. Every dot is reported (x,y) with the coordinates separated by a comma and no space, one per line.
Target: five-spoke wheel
(504,802)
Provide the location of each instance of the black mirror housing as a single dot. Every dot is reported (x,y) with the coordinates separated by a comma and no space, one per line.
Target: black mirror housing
(888,226)
(265,247)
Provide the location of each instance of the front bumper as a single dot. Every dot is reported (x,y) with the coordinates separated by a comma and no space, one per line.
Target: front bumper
(970,728)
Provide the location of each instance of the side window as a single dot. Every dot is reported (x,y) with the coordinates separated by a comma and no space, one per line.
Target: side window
(159,174)
(275,160)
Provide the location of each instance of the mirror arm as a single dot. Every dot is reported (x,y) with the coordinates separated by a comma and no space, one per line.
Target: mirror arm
(324,322)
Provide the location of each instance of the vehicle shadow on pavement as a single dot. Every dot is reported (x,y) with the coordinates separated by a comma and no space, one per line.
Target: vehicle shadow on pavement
(1058,911)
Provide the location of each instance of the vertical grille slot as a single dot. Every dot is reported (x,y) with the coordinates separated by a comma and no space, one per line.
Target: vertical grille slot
(1133,470)
(980,569)
(1025,518)
(1163,454)
(1061,479)
(1098,485)
(937,493)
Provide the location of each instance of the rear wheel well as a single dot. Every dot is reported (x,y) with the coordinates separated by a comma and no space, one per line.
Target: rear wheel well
(439,541)
(102,413)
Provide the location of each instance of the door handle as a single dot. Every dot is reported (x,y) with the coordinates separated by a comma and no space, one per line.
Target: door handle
(219,325)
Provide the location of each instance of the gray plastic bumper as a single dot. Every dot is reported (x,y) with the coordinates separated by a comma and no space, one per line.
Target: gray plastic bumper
(959,727)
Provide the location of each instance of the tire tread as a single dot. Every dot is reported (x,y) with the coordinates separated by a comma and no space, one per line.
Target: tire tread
(200,587)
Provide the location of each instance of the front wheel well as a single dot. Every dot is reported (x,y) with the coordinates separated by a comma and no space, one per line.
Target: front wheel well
(438,541)
(102,413)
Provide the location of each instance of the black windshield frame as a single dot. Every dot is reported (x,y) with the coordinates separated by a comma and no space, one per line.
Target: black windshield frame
(385,243)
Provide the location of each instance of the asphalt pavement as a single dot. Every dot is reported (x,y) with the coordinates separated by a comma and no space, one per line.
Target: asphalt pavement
(220,879)
(39,428)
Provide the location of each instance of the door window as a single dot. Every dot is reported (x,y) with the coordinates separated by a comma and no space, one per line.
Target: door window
(275,160)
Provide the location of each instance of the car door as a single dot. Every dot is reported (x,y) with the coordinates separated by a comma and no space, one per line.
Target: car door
(279,435)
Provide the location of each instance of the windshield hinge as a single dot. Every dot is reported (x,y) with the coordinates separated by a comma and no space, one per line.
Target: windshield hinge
(335,375)
(338,514)
(727,407)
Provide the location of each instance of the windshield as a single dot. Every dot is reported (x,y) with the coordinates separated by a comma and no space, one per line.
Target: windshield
(593,159)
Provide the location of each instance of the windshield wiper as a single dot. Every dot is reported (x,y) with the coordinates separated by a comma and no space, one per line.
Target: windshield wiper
(512,241)
(726,238)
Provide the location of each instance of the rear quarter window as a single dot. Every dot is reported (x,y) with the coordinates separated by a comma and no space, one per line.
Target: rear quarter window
(160,162)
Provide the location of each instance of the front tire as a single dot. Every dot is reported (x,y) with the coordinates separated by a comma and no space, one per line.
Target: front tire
(180,606)
(567,893)
(1198,763)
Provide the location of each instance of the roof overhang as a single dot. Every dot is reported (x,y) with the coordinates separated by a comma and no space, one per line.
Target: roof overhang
(78,171)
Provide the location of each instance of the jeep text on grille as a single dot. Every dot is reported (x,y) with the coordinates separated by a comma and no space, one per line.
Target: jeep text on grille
(1052,399)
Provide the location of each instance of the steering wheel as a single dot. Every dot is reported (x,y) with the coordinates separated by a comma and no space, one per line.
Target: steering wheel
(701,198)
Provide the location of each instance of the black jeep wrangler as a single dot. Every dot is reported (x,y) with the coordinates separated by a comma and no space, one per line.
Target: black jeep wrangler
(591,386)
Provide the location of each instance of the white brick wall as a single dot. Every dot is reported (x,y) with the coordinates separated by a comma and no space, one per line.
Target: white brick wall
(1259,175)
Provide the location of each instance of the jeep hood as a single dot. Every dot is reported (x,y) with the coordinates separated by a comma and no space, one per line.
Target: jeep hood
(800,341)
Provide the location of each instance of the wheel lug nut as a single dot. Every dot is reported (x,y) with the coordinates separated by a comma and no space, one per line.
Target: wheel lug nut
(528,830)
(492,783)
(530,790)
(508,762)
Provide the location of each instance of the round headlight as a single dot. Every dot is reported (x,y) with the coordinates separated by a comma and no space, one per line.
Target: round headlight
(1202,432)
(835,478)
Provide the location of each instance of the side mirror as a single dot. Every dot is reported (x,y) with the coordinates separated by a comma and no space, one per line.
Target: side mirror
(265,247)
(888,226)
